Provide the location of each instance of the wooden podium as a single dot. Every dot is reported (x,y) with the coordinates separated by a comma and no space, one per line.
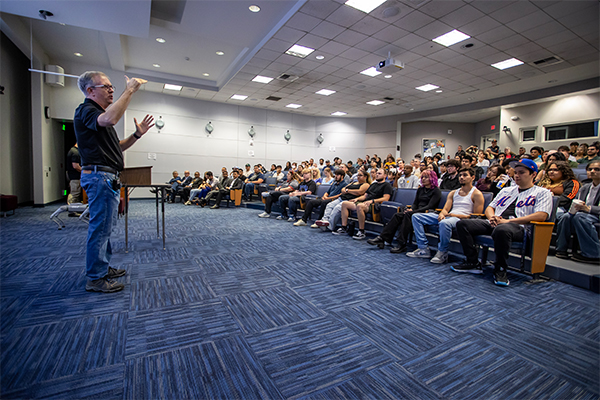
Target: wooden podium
(137,176)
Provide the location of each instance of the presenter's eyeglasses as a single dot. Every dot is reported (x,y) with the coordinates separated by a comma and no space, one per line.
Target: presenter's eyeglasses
(107,87)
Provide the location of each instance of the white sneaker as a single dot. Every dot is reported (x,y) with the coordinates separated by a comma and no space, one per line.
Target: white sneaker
(314,226)
(264,215)
(359,236)
(280,217)
(300,222)
(419,253)
(187,203)
(441,257)
(322,223)
(291,219)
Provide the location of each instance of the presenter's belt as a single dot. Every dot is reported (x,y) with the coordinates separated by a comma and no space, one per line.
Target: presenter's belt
(97,168)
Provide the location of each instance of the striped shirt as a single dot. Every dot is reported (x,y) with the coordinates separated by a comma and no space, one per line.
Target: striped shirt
(535,199)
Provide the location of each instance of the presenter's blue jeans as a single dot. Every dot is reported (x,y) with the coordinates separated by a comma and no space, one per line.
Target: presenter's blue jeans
(103,203)
(582,224)
(445,226)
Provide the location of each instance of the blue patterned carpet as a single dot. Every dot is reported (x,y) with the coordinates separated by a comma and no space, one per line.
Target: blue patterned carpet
(239,307)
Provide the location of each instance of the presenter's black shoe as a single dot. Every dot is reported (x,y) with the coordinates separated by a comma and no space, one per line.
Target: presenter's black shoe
(115,273)
(104,285)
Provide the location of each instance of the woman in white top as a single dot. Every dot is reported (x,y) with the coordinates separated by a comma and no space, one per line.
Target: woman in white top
(327,178)
(482,161)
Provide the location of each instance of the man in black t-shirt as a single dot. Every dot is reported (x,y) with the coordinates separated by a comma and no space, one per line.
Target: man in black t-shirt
(74,173)
(377,193)
(102,160)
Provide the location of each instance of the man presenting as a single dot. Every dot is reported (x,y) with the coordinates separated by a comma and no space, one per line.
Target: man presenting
(101,154)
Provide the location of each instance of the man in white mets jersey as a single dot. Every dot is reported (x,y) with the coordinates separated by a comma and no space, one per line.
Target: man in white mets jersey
(513,207)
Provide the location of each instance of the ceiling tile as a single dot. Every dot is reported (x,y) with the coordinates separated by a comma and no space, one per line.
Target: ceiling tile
(524,49)
(433,30)
(312,41)
(495,35)
(565,8)
(345,16)
(439,8)
(428,48)
(326,69)
(413,21)
(334,48)
(370,45)
(303,22)
(542,31)
(462,16)
(443,55)
(510,43)
(572,21)
(368,25)
(267,54)
(327,30)
(391,34)
(289,35)
(514,11)
(557,38)
(410,41)
(527,22)
(350,37)
(319,8)
(491,6)
(479,26)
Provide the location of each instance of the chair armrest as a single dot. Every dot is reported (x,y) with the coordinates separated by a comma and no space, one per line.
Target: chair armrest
(541,237)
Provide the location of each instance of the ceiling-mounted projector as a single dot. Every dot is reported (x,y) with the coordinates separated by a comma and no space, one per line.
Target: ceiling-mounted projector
(389,66)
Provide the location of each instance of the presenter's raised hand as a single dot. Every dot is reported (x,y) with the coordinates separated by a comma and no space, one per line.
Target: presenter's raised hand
(142,127)
(134,84)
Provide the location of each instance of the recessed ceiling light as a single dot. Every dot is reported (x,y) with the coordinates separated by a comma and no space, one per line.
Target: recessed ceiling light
(160,40)
(365,6)
(372,71)
(168,86)
(78,54)
(387,76)
(427,88)
(338,113)
(512,62)
(262,79)
(254,8)
(206,74)
(294,105)
(238,97)
(156,65)
(319,57)
(375,102)
(325,92)
(219,53)
(451,38)
(299,51)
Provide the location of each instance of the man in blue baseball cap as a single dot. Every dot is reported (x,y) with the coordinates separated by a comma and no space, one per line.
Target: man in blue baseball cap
(507,217)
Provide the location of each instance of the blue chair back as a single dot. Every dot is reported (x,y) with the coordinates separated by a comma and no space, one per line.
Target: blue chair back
(321,190)
(404,196)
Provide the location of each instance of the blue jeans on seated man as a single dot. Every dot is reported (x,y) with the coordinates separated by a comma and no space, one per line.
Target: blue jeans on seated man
(103,203)
(445,226)
(582,224)
(248,190)
(292,203)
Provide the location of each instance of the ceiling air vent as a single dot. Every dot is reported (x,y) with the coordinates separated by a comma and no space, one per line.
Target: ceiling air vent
(287,77)
(273,98)
(388,98)
(546,62)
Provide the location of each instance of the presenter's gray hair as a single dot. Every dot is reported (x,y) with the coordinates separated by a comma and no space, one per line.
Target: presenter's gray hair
(86,80)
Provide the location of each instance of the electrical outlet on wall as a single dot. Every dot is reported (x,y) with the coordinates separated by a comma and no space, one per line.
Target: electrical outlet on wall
(151,156)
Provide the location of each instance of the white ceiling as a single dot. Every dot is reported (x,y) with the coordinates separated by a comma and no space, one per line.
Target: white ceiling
(121,35)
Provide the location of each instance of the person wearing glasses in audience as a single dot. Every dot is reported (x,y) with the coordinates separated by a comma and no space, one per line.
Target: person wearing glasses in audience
(561,181)
(580,220)
(101,154)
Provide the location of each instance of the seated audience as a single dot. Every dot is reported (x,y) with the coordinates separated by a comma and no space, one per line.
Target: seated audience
(247,172)
(196,182)
(427,198)
(513,207)
(581,221)
(489,182)
(175,183)
(197,195)
(469,162)
(536,155)
(333,210)
(450,180)
(482,160)
(328,178)
(255,179)
(292,200)
(378,192)
(460,204)
(316,176)
(233,183)
(334,192)
(223,181)
(290,185)
(564,150)
(581,152)
(592,154)
(561,181)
